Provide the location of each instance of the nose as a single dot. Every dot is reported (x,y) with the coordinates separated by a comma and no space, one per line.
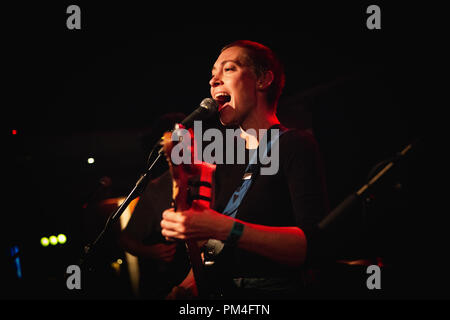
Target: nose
(215,81)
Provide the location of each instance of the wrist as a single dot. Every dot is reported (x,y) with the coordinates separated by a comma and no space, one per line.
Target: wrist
(224,228)
(235,233)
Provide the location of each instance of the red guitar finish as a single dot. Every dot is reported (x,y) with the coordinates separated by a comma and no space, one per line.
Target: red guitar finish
(182,177)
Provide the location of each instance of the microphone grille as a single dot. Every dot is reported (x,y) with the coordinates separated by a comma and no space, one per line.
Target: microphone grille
(209,104)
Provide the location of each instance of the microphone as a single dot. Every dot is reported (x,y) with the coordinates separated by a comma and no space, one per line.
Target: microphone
(207,108)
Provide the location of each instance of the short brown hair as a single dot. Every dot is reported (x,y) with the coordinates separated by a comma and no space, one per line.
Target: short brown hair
(263,59)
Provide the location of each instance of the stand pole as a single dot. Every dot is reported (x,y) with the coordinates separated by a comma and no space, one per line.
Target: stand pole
(352,198)
(134,193)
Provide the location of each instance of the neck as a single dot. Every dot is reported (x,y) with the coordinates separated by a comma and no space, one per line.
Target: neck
(250,128)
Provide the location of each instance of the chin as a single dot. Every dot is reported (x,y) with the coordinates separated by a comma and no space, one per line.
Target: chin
(227,118)
(227,123)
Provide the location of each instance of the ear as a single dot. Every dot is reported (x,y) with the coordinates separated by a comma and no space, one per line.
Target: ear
(265,81)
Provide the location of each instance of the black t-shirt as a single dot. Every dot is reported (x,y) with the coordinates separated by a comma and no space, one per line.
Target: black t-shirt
(294,196)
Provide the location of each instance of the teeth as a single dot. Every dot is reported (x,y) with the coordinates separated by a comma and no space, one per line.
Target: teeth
(221,94)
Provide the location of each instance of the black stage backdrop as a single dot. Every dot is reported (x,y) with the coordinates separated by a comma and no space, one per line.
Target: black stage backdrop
(96,92)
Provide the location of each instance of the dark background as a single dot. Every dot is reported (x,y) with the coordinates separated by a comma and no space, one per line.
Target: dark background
(73,94)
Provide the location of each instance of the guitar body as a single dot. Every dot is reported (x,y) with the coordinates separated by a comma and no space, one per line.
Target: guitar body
(186,178)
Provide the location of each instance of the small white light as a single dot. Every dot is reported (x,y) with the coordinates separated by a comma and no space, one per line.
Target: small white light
(90,160)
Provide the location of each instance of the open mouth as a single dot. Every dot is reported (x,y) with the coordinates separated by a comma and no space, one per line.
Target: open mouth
(222,98)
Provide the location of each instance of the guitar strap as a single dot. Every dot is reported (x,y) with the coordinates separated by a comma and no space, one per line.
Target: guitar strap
(253,169)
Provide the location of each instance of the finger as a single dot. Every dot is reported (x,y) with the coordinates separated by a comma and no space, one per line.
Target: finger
(171,215)
(170,225)
(168,233)
(168,212)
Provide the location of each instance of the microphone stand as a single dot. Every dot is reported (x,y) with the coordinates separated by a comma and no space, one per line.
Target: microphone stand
(134,193)
(361,192)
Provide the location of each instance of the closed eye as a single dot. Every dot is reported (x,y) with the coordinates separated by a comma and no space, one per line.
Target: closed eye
(226,70)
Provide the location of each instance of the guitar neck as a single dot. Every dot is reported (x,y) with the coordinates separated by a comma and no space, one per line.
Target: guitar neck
(181,175)
(197,267)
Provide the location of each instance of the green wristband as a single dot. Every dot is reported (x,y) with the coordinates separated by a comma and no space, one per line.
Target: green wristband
(235,233)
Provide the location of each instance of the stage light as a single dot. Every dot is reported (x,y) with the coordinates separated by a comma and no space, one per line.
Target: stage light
(53,240)
(62,238)
(44,241)
(90,160)
(14,132)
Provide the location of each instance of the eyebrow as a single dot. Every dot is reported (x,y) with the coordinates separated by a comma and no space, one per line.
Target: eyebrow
(225,61)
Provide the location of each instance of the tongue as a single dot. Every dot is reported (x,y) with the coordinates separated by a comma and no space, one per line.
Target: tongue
(221,100)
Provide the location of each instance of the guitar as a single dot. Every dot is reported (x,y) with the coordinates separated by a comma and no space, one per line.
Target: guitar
(185,178)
